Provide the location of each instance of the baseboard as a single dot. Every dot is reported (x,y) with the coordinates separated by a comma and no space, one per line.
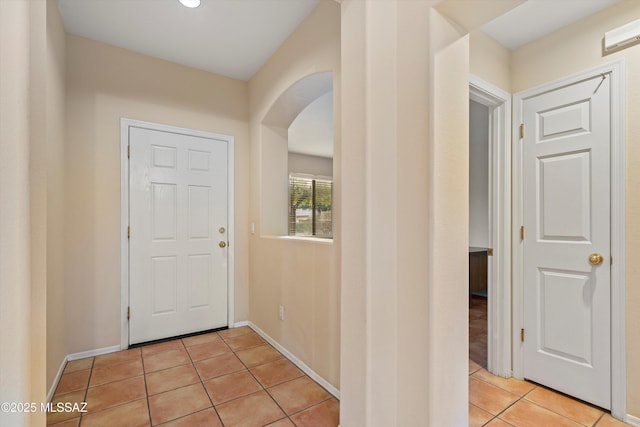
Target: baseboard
(56,380)
(239,324)
(299,363)
(76,356)
(633,421)
(92,353)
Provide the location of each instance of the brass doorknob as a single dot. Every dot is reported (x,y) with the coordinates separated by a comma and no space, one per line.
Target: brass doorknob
(222,244)
(595,259)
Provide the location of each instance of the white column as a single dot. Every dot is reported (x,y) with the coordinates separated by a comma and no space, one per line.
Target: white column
(404,219)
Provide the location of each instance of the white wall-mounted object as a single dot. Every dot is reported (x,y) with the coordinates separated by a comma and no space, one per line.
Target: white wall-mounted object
(621,36)
(190,3)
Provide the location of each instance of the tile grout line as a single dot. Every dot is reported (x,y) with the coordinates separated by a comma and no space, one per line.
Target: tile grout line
(598,420)
(86,390)
(258,381)
(146,388)
(202,380)
(287,415)
(512,404)
(193,365)
(110,382)
(557,413)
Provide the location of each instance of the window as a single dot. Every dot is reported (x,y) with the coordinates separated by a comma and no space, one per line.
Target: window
(310,201)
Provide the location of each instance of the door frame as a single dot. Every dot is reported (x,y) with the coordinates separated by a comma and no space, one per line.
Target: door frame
(499,280)
(615,70)
(125,124)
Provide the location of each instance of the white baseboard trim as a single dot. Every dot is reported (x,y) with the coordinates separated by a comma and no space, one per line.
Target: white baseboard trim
(92,353)
(76,356)
(239,324)
(631,420)
(299,363)
(56,380)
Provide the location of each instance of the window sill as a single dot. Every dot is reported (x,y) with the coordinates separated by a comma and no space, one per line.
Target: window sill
(302,239)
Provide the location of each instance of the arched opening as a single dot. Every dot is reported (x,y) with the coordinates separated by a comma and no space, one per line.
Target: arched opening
(296,158)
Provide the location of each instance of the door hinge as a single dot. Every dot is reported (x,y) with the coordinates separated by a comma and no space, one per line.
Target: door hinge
(521,130)
(522,232)
(611,260)
(128,232)
(522,334)
(128,313)
(128,151)
(490,252)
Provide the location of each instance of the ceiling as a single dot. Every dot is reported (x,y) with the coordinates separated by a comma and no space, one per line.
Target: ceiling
(536,18)
(311,132)
(233,38)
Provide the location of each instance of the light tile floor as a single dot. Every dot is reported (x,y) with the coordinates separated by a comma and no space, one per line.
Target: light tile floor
(234,378)
(504,402)
(227,378)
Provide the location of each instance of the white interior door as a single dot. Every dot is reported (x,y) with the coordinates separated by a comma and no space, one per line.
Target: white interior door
(566,213)
(178,218)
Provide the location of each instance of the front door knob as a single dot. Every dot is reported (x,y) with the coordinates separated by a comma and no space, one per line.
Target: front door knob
(222,244)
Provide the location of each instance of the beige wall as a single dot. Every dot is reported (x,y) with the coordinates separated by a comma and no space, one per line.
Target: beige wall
(312,165)
(15,304)
(301,275)
(56,301)
(489,60)
(546,60)
(23,206)
(104,84)
(38,163)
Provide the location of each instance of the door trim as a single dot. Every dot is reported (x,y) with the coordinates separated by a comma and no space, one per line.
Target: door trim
(618,220)
(125,124)
(499,280)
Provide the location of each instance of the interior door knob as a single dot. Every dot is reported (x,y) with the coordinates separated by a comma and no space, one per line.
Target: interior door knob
(595,259)
(222,244)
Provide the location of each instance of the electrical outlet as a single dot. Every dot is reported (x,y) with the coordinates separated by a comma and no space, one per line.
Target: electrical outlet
(281,312)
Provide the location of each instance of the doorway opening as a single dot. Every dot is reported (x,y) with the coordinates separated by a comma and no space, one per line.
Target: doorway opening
(480,245)
(491,239)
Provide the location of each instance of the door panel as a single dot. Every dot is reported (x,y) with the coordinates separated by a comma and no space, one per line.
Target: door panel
(565,209)
(163,284)
(178,205)
(566,200)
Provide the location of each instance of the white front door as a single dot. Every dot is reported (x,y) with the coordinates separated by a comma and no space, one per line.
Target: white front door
(178,219)
(566,214)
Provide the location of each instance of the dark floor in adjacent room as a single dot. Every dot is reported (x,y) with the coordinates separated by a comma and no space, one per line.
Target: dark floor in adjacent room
(478,330)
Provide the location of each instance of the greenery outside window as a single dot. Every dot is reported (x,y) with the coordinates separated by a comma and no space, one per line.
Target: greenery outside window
(310,206)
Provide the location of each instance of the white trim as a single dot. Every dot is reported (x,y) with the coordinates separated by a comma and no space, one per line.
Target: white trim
(124,241)
(631,420)
(310,176)
(231,295)
(618,221)
(56,380)
(299,363)
(125,124)
(76,356)
(303,239)
(239,324)
(618,243)
(499,289)
(93,353)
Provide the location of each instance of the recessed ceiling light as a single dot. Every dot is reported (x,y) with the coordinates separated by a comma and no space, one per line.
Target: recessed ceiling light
(190,3)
